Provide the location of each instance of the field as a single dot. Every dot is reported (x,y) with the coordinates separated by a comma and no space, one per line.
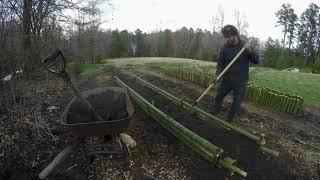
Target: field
(302,84)
(159,153)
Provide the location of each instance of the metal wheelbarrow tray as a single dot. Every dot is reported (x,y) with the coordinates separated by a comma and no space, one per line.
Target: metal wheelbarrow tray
(107,101)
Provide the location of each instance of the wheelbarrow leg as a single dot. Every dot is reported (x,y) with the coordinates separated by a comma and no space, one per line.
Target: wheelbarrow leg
(58,159)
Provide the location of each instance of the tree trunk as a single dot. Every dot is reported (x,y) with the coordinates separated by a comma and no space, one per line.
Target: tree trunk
(27,9)
(290,41)
(284,43)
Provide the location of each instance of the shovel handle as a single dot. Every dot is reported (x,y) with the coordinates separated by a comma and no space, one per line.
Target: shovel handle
(204,93)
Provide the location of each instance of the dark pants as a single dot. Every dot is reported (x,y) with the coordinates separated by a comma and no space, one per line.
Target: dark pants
(238,94)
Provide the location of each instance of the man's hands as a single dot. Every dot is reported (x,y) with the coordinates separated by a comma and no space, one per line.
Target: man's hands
(248,47)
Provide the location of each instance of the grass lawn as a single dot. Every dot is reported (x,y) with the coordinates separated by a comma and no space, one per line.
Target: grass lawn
(303,84)
(207,67)
(89,69)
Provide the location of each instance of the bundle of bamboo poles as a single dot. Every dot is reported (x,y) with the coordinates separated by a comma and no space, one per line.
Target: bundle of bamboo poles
(200,145)
(267,97)
(207,117)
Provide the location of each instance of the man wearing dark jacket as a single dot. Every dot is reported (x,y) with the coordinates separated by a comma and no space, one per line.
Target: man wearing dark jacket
(236,77)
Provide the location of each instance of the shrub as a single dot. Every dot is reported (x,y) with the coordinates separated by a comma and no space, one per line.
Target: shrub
(316,67)
(307,70)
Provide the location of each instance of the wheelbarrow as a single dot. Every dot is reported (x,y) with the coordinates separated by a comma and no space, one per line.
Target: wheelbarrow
(96,112)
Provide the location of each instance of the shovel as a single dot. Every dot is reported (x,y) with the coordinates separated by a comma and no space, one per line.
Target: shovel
(220,75)
(56,63)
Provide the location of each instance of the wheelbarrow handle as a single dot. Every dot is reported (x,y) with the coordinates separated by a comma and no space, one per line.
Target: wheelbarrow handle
(55,55)
(59,159)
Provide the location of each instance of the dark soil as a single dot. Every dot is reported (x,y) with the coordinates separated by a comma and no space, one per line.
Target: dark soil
(109,105)
(31,135)
(235,146)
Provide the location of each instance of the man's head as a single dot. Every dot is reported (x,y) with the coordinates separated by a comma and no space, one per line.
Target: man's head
(231,34)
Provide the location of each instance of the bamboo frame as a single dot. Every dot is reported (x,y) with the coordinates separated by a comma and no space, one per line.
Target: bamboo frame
(210,119)
(200,145)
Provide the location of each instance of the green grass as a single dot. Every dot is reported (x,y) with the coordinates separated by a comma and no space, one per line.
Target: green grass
(174,65)
(303,84)
(84,70)
(89,69)
(164,65)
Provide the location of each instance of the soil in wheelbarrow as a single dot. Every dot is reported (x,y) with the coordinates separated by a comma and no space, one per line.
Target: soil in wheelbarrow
(257,165)
(109,105)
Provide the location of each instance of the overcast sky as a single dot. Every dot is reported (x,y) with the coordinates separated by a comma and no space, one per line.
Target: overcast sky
(151,15)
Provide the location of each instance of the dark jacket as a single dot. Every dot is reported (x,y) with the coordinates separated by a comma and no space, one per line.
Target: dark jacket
(239,71)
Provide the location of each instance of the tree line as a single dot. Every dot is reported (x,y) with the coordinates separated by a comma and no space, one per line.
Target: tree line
(30,28)
(300,45)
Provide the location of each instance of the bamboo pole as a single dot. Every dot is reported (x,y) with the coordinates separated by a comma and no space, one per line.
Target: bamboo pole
(273,101)
(296,104)
(292,104)
(270,99)
(287,104)
(263,97)
(278,102)
(254,92)
(284,103)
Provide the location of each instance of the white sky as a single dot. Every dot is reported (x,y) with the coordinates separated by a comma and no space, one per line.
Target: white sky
(151,15)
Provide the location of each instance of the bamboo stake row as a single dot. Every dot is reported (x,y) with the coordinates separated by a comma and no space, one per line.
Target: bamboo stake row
(207,117)
(267,97)
(200,145)
(201,78)
(273,99)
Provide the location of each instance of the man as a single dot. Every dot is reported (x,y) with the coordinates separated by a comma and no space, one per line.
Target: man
(236,77)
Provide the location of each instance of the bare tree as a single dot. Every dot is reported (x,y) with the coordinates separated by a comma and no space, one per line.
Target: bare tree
(241,22)
(217,23)
(214,23)
(220,18)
